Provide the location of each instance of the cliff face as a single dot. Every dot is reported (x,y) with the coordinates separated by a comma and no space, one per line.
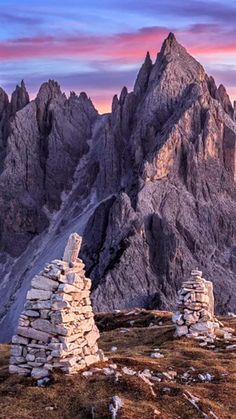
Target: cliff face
(150,186)
(177,205)
(47,139)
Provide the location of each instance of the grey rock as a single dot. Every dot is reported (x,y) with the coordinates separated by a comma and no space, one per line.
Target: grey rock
(14,369)
(43,382)
(39,373)
(141,83)
(29,332)
(38,294)
(16,350)
(150,187)
(31,313)
(20,340)
(225,100)
(19,99)
(181,331)
(42,325)
(38,305)
(42,283)
(53,132)
(72,249)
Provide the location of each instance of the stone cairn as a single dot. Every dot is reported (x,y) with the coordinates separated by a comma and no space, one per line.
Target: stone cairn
(56,328)
(195,315)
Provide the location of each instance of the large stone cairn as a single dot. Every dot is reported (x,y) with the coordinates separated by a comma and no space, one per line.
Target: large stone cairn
(195,315)
(56,328)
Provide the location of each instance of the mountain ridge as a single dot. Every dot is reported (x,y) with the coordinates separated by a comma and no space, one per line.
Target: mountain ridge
(151,186)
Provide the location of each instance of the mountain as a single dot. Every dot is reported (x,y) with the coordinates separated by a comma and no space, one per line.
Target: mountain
(150,186)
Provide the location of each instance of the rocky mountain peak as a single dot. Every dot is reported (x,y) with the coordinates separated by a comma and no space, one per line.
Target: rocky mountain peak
(124,93)
(86,104)
(174,58)
(115,103)
(19,99)
(171,49)
(47,92)
(225,101)
(4,123)
(174,73)
(143,76)
(150,187)
(170,44)
(4,101)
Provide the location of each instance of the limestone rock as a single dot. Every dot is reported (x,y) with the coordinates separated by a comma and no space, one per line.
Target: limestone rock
(65,336)
(72,248)
(44,283)
(19,339)
(42,325)
(38,294)
(14,369)
(181,331)
(143,76)
(19,98)
(39,373)
(195,315)
(31,333)
(151,186)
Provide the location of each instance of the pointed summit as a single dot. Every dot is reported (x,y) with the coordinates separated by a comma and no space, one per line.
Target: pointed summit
(171,37)
(224,99)
(19,98)
(171,45)
(143,76)
(174,60)
(148,59)
(47,92)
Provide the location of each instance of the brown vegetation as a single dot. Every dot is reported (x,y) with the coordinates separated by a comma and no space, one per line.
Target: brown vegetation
(88,397)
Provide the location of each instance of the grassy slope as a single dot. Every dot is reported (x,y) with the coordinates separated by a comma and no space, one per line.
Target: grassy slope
(76,396)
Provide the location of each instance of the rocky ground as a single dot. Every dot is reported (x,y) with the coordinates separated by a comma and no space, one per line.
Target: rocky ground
(151,374)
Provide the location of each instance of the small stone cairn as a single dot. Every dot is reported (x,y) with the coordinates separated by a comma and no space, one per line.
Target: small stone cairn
(56,328)
(195,315)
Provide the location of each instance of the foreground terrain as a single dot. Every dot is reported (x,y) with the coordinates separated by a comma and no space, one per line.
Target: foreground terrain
(154,375)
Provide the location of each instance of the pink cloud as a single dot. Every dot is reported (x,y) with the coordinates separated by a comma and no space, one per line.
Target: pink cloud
(124,46)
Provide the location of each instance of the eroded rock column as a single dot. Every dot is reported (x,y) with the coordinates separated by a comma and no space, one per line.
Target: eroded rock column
(57,328)
(195,315)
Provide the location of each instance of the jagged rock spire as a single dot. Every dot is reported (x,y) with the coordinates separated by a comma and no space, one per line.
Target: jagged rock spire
(19,99)
(143,76)
(48,91)
(224,99)
(170,44)
(124,93)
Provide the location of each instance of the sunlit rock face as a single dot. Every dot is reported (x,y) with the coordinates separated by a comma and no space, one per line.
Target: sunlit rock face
(151,187)
(176,205)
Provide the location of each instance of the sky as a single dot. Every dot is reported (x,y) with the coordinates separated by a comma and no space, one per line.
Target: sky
(98,46)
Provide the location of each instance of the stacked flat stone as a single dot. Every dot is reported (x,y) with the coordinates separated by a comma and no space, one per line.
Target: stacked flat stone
(57,328)
(195,315)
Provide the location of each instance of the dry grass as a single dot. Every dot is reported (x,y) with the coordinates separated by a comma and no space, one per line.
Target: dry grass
(77,396)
